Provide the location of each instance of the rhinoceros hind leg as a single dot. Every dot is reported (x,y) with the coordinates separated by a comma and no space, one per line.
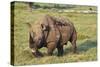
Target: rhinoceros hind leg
(74,46)
(73,42)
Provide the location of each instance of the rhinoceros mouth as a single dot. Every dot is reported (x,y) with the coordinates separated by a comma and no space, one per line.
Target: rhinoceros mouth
(33,51)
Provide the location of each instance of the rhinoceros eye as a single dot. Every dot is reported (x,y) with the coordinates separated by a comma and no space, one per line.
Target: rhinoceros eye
(43,27)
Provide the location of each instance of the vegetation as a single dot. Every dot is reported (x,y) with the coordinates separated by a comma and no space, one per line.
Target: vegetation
(85,25)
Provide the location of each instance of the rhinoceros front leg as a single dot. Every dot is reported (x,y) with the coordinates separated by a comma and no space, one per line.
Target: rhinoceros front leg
(51,46)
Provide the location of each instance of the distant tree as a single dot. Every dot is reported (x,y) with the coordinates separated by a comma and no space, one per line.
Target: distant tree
(30,6)
(90,9)
(56,6)
(37,6)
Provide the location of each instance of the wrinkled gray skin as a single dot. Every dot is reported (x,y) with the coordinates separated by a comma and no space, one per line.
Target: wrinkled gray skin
(54,34)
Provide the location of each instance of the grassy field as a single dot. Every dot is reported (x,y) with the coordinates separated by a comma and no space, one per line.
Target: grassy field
(85,25)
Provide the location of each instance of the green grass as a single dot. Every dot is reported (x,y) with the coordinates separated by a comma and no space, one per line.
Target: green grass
(85,25)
